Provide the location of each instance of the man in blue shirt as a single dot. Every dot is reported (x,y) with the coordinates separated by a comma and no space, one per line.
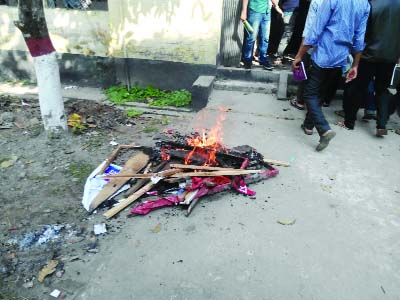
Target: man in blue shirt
(334,28)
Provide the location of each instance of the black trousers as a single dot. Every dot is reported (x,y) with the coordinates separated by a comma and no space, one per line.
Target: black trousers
(357,90)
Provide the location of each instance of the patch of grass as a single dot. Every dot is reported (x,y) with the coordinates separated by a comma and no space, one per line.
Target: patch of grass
(165,120)
(150,95)
(150,129)
(179,98)
(134,113)
(79,170)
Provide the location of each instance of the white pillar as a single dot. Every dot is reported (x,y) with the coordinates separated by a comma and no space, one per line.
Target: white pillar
(50,97)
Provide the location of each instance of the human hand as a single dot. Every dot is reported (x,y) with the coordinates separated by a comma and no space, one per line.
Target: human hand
(279,11)
(352,74)
(296,63)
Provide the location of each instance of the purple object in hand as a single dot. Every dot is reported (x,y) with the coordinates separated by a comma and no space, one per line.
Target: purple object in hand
(299,74)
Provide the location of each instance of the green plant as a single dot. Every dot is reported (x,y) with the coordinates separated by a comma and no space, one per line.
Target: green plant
(134,113)
(150,95)
(165,120)
(79,171)
(179,98)
(150,129)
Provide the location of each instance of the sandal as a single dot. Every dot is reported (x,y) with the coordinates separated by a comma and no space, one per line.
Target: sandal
(296,104)
(307,131)
(343,125)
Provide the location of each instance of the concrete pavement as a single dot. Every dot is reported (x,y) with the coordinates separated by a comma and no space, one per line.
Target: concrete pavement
(344,245)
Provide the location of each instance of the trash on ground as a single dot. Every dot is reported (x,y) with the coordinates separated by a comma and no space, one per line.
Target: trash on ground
(99,229)
(156,229)
(49,269)
(286,222)
(94,184)
(55,293)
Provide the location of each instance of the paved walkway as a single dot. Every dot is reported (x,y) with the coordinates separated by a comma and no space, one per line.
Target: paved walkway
(344,245)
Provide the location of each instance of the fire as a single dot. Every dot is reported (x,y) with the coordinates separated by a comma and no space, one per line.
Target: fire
(207,144)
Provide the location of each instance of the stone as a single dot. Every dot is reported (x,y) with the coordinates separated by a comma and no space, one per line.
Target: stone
(6,117)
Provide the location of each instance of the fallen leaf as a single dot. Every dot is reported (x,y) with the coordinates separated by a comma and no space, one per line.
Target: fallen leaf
(286,222)
(6,164)
(50,268)
(326,188)
(157,229)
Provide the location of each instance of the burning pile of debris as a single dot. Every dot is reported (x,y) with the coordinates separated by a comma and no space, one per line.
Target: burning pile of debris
(179,170)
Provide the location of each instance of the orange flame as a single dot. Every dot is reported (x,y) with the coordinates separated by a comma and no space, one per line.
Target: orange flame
(208,144)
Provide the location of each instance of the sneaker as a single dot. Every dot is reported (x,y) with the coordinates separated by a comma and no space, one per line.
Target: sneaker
(267,66)
(325,139)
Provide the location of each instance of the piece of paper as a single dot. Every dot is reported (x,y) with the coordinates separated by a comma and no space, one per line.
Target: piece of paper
(94,185)
(56,293)
(99,228)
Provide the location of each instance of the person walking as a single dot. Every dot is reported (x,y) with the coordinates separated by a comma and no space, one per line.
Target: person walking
(333,29)
(377,63)
(258,14)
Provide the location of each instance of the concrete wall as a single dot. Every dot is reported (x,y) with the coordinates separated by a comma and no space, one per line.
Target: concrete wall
(184,31)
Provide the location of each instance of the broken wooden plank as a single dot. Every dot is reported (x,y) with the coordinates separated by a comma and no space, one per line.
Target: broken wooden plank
(116,209)
(141,182)
(215,173)
(276,162)
(114,155)
(133,165)
(205,168)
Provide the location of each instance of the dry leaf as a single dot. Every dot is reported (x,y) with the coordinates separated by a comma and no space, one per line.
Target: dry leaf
(157,229)
(287,222)
(47,270)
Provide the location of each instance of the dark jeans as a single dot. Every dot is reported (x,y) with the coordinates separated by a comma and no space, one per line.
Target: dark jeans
(328,88)
(317,77)
(357,92)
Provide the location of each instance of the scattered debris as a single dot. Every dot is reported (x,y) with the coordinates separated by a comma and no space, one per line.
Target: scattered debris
(286,222)
(28,284)
(49,269)
(55,293)
(156,229)
(100,229)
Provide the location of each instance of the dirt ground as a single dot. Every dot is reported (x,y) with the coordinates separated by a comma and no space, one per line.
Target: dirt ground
(42,182)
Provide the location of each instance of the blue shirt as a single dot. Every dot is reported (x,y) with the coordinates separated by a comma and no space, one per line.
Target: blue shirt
(334,28)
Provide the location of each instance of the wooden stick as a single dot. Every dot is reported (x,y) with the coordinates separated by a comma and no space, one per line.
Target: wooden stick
(232,172)
(215,173)
(114,155)
(276,162)
(116,209)
(193,167)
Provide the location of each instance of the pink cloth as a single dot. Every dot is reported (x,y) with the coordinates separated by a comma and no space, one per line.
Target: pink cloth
(240,186)
(146,207)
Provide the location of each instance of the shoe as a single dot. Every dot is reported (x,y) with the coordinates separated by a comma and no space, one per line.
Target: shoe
(380,132)
(325,139)
(368,117)
(247,65)
(267,66)
(306,131)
